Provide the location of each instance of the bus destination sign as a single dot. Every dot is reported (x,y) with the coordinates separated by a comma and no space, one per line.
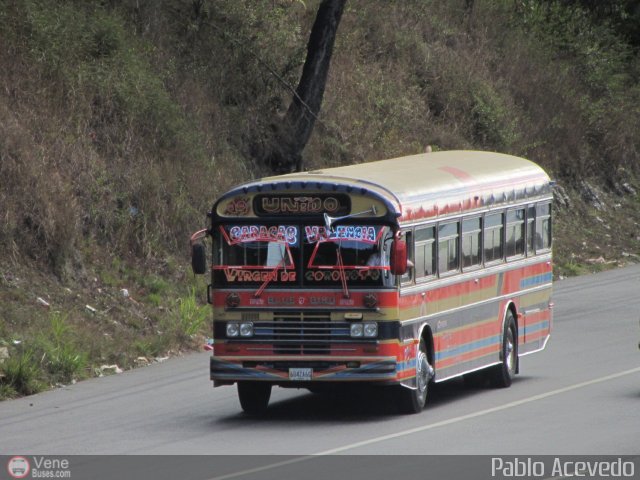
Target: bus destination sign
(299,204)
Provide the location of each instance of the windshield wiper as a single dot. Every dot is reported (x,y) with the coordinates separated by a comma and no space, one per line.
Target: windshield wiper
(273,274)
(343,275)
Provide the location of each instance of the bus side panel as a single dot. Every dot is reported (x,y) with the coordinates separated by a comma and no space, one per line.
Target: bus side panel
(467,317)
(535,320)
(467,340)
(532,285)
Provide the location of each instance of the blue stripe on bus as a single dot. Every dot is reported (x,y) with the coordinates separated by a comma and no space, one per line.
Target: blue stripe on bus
(468,347)
(486,342)
(536,280)
(406,365)
(536,327)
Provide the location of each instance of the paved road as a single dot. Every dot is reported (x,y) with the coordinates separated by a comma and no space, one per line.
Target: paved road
(579,396)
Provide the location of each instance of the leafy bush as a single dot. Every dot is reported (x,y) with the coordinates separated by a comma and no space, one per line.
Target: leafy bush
(7,391)
(599,72)
(187,319)
(21,374)
(493,126)
(62,357)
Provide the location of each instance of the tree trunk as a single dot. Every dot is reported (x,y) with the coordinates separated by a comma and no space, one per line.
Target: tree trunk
(284,152)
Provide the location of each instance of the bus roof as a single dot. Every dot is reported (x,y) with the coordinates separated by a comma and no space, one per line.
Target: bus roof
(426,185)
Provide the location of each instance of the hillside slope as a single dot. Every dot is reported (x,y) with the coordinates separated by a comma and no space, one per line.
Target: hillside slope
(120,122)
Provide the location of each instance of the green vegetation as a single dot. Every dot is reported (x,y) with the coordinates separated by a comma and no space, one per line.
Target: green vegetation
(120,122)
(62,356)
(21,375)
(54,354)
(188,318)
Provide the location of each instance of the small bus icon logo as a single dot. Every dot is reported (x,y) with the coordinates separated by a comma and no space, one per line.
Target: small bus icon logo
(18,467)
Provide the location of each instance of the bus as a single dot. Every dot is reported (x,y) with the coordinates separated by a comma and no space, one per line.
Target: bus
(399,273)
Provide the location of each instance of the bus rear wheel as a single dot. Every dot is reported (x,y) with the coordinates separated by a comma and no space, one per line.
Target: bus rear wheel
(254,396)
(502,375)
(414,400)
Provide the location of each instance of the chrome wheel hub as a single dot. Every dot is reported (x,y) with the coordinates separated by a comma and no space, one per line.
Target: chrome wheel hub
(422,372)
(510,351)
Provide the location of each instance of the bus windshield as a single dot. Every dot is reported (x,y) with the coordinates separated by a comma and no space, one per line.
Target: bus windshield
(249,255)
(290,255)
(355,254)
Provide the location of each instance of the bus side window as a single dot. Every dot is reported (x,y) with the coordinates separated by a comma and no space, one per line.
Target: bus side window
(493,239)
(543,226)
(407,278)
(515,233)
(531,231)
(425,259)
(448,241)
(471,238)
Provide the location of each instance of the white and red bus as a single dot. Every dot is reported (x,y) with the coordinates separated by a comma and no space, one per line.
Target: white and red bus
(399,272)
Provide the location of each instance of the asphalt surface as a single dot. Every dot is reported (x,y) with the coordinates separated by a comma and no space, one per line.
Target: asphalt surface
(579,396)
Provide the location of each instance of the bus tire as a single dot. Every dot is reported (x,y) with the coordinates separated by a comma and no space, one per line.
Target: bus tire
(502,375)
(254,396)
(413,400)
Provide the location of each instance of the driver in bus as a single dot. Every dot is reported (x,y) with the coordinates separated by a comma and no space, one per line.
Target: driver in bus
(375,258)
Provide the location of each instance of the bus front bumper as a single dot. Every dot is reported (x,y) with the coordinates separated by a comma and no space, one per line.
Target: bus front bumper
(288,371)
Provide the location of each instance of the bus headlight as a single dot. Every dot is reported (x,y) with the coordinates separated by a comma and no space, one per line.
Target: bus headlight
(357,330)
(371,329)
(246,329)
(365,329)
(233,329)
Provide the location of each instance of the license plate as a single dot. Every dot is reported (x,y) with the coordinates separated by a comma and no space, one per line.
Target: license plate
(300,373)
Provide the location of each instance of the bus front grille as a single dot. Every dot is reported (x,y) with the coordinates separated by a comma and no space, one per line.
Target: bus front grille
(302,333)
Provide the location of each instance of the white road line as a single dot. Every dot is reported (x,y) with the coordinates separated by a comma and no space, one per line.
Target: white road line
(431,426)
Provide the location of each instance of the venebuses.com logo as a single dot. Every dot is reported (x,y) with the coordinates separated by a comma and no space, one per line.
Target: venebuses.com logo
(18,467)
(38,467)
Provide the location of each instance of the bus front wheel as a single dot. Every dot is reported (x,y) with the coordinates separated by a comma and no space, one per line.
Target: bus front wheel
(254,396)
(503,374)
(414,400)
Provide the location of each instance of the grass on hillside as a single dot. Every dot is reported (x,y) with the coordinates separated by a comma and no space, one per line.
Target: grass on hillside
(120,122)
(123,317)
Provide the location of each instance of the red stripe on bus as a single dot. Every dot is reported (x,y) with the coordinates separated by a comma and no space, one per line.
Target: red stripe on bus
(471,333)
(480,352)
(305,299)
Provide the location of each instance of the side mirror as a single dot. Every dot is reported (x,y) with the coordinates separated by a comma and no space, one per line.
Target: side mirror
(198,258)
(398,260)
